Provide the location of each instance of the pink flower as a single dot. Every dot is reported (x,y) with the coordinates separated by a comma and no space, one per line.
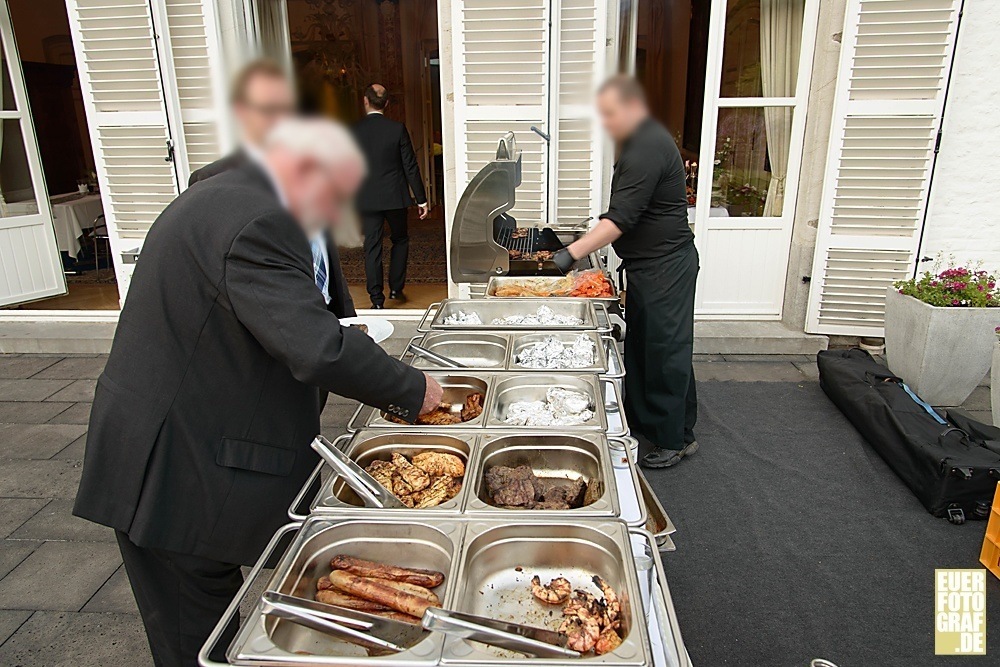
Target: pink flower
(954,302)
(991,284)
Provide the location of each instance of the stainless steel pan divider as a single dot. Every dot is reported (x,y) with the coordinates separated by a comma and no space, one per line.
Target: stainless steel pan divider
(363,484)
(663,606)
(632,466)
(204,656)
(619,408)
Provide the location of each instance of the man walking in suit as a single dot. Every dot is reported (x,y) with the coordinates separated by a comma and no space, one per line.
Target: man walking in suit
(385,194)
(200,428)
(262,97)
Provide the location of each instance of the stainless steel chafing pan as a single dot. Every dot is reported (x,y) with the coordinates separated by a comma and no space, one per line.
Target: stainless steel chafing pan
(511,388)
(497,282)
(578,456)
(658,523)
(479,351)
(265,640)
(457,386)
(490,309)
(494,580)
(366,446)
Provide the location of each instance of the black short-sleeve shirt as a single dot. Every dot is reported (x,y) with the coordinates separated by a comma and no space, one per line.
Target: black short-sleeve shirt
(648,195)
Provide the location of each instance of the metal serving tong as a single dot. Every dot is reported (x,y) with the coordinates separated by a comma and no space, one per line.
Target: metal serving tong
(363,484)
(369,630)
(438,359)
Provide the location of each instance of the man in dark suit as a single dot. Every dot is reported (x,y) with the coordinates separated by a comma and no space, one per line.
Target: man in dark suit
(385,194)
(201,423)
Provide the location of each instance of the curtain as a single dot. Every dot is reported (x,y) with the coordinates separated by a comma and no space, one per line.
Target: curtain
(780,45)
(272,28)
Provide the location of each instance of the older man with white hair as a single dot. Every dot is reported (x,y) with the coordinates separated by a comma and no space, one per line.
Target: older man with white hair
(201,423)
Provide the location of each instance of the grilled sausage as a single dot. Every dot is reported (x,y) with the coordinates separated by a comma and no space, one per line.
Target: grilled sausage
(379,591)
(338,599)
(367,568)
(412,589)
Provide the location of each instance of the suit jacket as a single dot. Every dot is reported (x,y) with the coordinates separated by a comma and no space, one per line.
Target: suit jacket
(341,302)
(392,166)
(201,423)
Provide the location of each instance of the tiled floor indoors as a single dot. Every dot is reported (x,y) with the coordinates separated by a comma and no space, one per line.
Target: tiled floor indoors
(64,598)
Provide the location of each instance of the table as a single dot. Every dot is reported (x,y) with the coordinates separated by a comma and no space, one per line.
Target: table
(71,214)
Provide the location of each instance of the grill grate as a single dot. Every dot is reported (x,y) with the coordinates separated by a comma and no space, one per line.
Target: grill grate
(525,244)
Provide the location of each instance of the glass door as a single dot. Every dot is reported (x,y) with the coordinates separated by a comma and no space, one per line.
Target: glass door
(30,264)
(757,80)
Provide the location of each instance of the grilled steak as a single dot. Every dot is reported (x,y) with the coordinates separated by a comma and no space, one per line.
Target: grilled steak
(512,487)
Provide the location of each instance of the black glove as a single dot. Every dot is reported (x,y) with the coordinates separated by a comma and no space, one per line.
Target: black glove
(563,260)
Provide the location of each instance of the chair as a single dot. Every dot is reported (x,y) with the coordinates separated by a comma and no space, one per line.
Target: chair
(100,233)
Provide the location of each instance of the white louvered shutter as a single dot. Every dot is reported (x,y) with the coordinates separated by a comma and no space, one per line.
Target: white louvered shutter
(891,88)
(501,54)
(579,31)
(126,111)
(195,90)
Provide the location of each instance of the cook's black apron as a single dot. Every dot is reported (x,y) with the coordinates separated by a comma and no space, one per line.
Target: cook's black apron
(660,400)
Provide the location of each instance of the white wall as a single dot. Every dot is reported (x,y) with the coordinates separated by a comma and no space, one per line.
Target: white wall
(963,216)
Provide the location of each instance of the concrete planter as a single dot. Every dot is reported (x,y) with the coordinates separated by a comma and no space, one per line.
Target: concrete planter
(995,384)
(942,353)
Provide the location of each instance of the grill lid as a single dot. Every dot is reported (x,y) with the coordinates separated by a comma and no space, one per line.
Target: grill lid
(474,254)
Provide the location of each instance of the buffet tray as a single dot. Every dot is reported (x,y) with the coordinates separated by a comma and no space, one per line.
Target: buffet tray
(496,351)
(500,390)
(489,309)
(497,282)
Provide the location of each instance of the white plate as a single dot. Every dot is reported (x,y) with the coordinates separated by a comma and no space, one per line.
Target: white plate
(379,328)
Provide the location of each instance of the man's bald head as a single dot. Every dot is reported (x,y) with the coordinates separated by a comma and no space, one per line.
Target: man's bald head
(318,166)
(376,97)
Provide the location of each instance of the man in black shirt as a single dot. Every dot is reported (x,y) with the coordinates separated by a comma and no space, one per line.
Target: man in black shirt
(647,225)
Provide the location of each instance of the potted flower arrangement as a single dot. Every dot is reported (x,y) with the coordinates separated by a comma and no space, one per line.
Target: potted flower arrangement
(939,331)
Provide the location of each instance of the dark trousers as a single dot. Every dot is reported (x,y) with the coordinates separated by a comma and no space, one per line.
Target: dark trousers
(180,598)
(372,225)
(660,399)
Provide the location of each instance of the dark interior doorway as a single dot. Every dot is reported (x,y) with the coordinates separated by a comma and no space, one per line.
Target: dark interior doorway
(339,47)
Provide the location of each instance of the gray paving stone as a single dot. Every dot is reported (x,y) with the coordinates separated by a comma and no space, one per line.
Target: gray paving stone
(80,568)
(13,552)
(74,368)
(39,479)
(37,441)
(51,639)
(335,416)
(30,390)
(74,450)
(15,511)
(77,413)
(748,371)
(17,366)
(78,390)
(978,400)
(10,621)
(14,412)
(792,358)
(708,357)
(114,596)
(808,369)
(56,522)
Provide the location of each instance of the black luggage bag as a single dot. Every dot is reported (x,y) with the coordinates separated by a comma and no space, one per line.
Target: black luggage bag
(951,461)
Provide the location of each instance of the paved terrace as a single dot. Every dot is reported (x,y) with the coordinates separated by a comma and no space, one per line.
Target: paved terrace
(64,596)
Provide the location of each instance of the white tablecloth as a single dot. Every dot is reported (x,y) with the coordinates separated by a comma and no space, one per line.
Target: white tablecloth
(71,214)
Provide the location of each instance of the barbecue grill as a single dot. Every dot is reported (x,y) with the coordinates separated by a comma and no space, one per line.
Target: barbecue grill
(486,240)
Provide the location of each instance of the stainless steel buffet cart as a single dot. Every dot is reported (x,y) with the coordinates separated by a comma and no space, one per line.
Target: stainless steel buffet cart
(487,553)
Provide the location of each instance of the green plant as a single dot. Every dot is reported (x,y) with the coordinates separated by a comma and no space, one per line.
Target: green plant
(955,287)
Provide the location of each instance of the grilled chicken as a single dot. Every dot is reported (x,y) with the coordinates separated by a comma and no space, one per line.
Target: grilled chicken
(440,490)
(368,568)
(379,591)
(473,407)
(416,478)
(436,464)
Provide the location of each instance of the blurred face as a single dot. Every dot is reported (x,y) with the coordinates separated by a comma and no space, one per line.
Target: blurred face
(619,117)
(267,100)
(318,193)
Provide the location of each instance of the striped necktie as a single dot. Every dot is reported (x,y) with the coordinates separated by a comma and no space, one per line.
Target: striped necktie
(319,269)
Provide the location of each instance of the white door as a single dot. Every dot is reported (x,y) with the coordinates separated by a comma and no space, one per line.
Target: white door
(757,85)
(30,265)
(891,88)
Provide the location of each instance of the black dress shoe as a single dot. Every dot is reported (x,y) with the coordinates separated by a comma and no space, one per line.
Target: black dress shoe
(397,296)
(666,458)
(378,306)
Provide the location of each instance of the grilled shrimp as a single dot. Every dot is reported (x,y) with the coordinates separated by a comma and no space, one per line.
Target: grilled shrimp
(555,592)
(607,642)
(581,633)
(614,605)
